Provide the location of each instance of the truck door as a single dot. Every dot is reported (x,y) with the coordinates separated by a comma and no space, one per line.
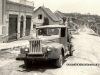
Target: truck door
(63,36)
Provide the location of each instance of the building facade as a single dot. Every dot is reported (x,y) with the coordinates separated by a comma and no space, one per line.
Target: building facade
(16,19)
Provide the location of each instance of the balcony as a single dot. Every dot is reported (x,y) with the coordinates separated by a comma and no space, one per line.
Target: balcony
(24,2)
(16,1)
(29,3)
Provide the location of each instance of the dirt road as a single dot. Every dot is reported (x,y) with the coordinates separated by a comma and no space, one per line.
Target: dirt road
(87,51)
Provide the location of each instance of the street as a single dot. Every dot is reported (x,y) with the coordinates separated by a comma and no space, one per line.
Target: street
(87,50)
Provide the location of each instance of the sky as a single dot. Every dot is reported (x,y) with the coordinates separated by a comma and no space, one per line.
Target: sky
(70,6)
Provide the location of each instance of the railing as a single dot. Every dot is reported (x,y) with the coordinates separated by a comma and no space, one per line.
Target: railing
(17,1)
(29,3)
(23,2)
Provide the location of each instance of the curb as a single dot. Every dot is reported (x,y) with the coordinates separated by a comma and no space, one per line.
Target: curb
(10,48)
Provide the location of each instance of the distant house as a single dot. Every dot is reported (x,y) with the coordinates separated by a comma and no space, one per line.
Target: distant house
(60,15)
(41,13)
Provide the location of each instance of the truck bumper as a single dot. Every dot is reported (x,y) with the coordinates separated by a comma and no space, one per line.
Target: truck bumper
(24,57)
(21,57)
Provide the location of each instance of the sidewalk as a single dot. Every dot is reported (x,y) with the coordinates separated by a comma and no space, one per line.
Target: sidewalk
(4,46)
(14,44)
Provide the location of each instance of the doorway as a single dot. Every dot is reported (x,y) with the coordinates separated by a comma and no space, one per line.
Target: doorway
(28,25)
(13,21)
(21,26)
(63,37)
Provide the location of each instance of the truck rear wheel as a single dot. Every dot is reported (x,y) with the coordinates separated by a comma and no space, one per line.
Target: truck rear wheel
(59,61)
(71,51)
(27,63)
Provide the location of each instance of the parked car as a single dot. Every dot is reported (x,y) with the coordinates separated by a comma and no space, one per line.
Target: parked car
(52,42)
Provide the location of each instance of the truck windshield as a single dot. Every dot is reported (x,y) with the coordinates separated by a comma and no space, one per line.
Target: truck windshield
(48,31)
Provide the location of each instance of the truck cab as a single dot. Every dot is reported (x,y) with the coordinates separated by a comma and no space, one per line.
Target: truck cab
(52,42)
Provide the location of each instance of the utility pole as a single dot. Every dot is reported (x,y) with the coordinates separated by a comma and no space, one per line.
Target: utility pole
(43,4)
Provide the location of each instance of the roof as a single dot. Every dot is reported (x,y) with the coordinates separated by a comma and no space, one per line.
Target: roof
(52,26)
(78,21)
(49,13)
(59,14)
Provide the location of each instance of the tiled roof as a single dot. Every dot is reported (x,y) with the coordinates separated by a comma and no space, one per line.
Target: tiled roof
(49,13)
(59,14)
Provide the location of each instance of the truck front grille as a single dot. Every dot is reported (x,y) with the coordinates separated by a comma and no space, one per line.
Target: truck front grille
(35,46)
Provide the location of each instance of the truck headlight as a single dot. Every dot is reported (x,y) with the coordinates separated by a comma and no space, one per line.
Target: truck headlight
(26,50)
(49,49)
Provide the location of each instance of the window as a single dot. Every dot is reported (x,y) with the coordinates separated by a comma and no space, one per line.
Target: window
(48,31)
(40,16)
(63,32)
(53,31)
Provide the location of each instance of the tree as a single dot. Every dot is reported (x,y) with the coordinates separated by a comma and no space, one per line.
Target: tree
(46,21)
(64,20)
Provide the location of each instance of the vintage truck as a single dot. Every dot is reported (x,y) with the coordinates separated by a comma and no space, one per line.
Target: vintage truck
(52,42)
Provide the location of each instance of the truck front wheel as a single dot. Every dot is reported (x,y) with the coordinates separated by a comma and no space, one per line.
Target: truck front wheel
(59,61)
(27,63)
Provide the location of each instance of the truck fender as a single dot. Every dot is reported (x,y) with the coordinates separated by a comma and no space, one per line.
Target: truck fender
(59,49)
